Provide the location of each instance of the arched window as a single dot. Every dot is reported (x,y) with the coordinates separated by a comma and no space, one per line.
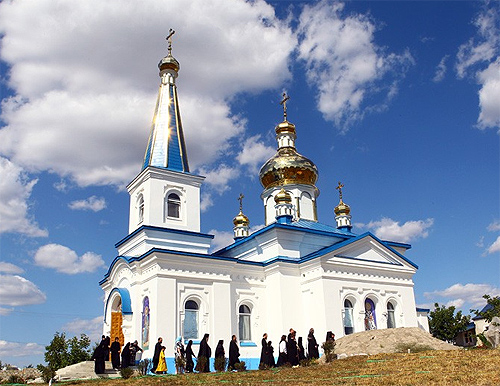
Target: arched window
(391,320)
(173,206)
(244,322)
(191,310)
(140,205)
(370,317)
(348,317)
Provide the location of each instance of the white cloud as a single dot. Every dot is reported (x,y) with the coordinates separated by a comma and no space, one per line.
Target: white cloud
(10,268)
(480,55)
(222,239)
(5,311)
(15,193)
(83,92)
(254,153)
(15,349)
(218,178)
(206,201)
(489,96)
(65,260)
(92,203)
(388,229)
(440,70)
(495,247)
(494,226)
(91,327)
(343,61)
(18,291)
(460,294)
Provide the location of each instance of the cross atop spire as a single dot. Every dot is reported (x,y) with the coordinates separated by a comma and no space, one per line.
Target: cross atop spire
(283,103)
(169,40)
(339,188)
(240,199)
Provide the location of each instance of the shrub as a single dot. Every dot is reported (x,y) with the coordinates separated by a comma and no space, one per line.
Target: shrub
(308,362)
(143,366)
(47,372)
(328,349)
(180,364)
(200,364)
(263,366)
(126,372)
(16,378)
(220,363)
(484,342)
(240,366)
(413,347)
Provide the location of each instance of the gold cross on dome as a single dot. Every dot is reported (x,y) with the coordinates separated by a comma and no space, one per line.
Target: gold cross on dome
(283,103)
(169,40)
(339,188)
(240,199)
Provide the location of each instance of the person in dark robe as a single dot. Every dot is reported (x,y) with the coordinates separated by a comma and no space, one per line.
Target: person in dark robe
(115,354)
(234,353)
(270,355)
(292,350)
(204,352)
(99,358)
(107,343)
(126,356)
(330,337)
(189,357)
(156,355)
(312,345)
(301,353)
(219,350)
(282,356)
(134,348)
(263,352)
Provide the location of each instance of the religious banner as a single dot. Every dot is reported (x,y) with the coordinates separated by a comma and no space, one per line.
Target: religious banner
(145,323)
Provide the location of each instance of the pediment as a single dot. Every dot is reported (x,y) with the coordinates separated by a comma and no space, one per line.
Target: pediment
(368,250)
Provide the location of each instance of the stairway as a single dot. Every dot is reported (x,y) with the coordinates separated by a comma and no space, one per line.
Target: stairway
(85,370)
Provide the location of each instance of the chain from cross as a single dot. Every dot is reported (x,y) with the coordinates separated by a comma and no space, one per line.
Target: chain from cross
(283,103)
(339,188)
(169,40)
(240,199)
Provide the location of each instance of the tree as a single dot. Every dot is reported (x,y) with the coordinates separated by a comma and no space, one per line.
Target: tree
(445,324)
(62,352)
(491,309)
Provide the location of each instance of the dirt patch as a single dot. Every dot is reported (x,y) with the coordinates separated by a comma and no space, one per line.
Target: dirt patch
(388,341)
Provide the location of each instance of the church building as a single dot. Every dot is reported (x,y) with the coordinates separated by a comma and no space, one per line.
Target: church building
(295,272)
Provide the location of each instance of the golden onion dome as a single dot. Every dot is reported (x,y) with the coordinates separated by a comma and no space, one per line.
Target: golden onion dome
(287,167)
(283,197)
(241,219)
(169,63)
(342,209)
(287,127)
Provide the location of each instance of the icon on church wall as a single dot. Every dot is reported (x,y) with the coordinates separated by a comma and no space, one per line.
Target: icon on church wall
(370,322)
(145,323)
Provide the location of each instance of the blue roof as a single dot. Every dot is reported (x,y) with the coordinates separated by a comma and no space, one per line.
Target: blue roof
(487,307)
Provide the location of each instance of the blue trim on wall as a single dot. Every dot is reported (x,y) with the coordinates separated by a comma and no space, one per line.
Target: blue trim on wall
(423,309)
(126,302)
(160,229)
(248,344)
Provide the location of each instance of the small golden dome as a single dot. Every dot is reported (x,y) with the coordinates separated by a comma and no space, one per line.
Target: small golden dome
(241,219)
(342,209)
(169,63)
(287,127)
(287,167)
(283,197)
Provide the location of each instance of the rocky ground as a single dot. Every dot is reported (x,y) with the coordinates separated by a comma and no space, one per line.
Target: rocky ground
(388,341)
(24,375)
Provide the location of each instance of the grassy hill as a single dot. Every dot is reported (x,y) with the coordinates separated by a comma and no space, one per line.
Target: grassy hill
(457,368)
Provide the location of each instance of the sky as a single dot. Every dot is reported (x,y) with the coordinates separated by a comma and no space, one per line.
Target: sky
(399,100)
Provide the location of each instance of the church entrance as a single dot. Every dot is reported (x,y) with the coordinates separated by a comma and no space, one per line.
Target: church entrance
(117,321)
(370,321)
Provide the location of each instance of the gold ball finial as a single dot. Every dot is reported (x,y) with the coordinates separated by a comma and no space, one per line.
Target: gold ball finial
(342,208)
(283,197)
(241,219)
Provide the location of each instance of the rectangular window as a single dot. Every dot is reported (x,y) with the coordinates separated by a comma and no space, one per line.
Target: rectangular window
(245,327)
(191,324)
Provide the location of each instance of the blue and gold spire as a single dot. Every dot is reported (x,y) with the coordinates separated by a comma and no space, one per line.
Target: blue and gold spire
(166,146)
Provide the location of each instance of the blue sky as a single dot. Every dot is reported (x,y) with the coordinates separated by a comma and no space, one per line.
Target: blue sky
(399,100)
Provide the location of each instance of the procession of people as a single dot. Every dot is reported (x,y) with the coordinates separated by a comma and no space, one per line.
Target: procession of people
(290,352)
